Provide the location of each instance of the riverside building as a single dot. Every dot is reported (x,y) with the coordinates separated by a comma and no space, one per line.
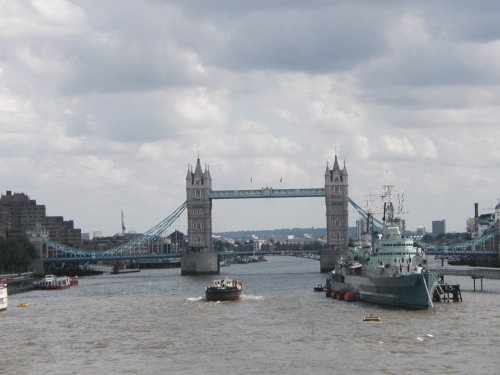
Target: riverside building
(19,215)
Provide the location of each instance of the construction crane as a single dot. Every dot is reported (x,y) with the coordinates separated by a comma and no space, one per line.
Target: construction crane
(123,225)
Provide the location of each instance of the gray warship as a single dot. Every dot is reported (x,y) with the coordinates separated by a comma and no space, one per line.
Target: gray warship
(385,267)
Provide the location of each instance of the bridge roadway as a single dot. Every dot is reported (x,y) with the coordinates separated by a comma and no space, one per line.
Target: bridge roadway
(162,257)
(457,252)
(82,257)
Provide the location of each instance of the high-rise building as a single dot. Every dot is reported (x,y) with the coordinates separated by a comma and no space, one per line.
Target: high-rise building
(19,214)
(438,227)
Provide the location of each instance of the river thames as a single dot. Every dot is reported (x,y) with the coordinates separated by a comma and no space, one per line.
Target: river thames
(157,322)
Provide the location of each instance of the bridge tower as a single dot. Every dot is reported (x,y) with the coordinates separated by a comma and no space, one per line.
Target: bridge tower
(199,257)
(337,215)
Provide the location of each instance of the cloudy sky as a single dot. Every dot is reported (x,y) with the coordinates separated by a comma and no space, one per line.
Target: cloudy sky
(103,104)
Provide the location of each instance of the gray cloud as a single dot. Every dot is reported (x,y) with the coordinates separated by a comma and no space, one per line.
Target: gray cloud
(112,100)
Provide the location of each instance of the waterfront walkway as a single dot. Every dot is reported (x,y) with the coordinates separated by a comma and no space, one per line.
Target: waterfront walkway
(477,272)
(473,272)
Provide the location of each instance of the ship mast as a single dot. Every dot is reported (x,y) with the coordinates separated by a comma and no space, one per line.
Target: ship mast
(388,216)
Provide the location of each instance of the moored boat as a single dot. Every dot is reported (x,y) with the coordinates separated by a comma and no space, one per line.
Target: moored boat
(386,268)
(4,300)
(123,269)
(319,288)
(18,283)
(224,290)
(50,282)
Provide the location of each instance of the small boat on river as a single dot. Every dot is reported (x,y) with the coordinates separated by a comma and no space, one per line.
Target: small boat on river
(50,282)
(4,301)
(319,288)
(372,318)
(224,290)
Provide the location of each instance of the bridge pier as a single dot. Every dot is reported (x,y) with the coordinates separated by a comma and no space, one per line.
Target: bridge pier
(200,263)
(327,260)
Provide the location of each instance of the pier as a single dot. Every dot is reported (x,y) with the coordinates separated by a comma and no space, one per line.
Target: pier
(472,272)
(447,293)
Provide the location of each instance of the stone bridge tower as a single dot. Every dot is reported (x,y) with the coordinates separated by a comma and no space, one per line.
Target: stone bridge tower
(199,209)
(199,257)
(337,215)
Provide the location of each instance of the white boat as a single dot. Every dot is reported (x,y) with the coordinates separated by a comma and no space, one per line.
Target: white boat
(54,282)
(4,300)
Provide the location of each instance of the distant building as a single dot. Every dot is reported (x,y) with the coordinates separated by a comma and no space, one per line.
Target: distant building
(421,231)
(19,215)
(438,227)
(480,224)
(360,228)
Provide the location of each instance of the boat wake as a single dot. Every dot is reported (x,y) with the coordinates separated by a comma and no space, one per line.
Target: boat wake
(194,299)
(420,338)
(252,297)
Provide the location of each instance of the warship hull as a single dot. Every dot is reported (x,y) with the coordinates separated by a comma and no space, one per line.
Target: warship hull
(409,291)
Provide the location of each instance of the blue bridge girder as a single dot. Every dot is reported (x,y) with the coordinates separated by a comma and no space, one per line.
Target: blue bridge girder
(132,248)
(267,193)
(99,257)
(163,257)
(466,248)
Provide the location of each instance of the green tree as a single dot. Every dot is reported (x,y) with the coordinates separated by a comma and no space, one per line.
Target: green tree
(16,254)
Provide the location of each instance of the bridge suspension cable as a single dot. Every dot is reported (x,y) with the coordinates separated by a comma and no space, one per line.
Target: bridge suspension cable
(130,247)
(365,215)
(151,234)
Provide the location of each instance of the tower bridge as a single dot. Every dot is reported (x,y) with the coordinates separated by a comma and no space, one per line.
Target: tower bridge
(200,257)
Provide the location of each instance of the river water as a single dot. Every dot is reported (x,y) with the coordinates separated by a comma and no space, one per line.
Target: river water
(157,322)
